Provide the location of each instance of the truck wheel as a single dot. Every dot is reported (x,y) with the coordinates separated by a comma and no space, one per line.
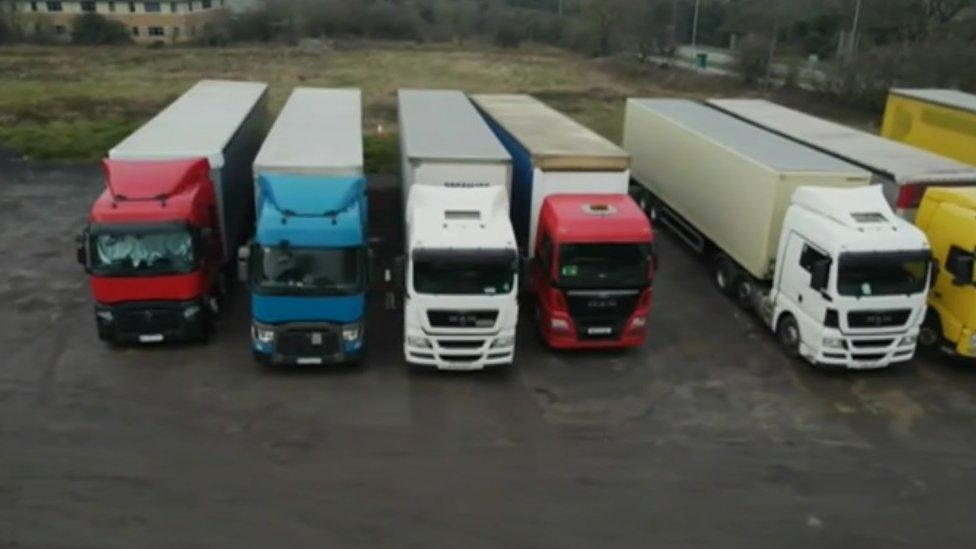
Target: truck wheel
(930,334)
(788,334)
(723,274)
(744,288)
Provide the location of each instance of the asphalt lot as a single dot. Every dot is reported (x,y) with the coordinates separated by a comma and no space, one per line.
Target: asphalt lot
(708,436)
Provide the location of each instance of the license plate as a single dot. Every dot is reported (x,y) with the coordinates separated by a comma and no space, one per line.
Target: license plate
(599,331)
(309,360)
(150,338)
(316,339)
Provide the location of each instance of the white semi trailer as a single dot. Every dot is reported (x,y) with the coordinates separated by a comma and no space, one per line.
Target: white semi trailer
(903,171)
(795,234)
(460,274)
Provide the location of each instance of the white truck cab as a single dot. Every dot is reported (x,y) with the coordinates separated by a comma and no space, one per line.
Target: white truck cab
(851,279)
(461,278)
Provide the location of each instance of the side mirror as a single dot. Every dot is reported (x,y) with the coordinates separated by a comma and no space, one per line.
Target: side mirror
(961,269)
(400,273)
(820,275)
(243,262)
(371,267)
(81,250)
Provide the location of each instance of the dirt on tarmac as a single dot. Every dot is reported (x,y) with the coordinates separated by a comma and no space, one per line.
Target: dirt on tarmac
(706,437)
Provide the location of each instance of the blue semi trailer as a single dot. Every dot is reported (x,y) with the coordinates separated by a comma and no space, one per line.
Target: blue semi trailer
(308,264)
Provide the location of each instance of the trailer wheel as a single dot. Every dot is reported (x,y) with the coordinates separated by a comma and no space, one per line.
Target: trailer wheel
(724,274)
(788,334)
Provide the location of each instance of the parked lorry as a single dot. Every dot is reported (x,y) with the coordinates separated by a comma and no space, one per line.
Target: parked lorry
(591,249)
(937,120)
(904,172)
(460,273)
(308,264)
(794,234)
(948,218)
(177,203)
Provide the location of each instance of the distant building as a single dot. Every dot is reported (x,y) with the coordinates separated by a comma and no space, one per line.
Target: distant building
(148,21)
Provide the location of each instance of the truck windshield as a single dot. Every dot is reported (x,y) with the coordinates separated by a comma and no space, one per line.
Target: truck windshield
(447,276)
(878,274)
(308,271)
(147,251)
(604,265)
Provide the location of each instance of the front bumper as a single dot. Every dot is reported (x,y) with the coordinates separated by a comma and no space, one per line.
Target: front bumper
(865,352)
(152,321)
(569,338)
(459,352)
(305,344)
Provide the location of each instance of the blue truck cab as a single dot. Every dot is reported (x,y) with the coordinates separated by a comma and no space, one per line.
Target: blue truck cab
(308,264)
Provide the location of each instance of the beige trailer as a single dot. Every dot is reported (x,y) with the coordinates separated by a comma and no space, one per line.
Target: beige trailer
(729,182)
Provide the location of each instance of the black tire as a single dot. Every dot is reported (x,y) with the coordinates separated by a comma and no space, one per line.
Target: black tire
(743,290)
(930,334)
(788,335)
(724,274)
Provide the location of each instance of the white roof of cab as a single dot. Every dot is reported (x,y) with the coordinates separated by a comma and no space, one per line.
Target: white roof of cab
(555,141)
(318,132)
(483,221)
(200,123)
(444,125)
(903,163)
(947,98)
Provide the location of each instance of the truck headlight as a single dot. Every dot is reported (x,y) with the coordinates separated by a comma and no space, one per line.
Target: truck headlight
(262,334)
(559,324)
(107,316)
(908,340)
(191,311)
(415,341)
(834,343)
(351,332)
(638,322)
(504,341)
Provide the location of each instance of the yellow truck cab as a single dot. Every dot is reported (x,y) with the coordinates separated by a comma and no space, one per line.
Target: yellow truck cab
(937,120)
(947,216)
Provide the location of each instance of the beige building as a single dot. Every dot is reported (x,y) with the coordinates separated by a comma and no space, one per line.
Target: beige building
(148,22)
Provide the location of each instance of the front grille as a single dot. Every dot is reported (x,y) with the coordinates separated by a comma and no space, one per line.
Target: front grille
(460,344)
(462,319)
(461,358)
(871,343)
(601,315)
(307,343)
(868,356)
(878,319)
(148,320)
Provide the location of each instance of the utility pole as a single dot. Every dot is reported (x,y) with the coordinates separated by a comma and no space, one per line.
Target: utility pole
(854,30)
(694,24)
(673,39)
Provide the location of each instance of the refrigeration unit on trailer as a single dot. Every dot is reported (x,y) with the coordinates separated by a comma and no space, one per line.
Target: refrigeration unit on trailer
(937,120)
(591,248)
(176,206)
(308,264)
(459,276)
(903,171)
(797,235)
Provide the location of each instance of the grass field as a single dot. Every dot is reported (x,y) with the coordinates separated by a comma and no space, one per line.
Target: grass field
(75,103)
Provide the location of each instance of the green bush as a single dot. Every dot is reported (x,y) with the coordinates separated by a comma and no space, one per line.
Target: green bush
(753,59)
(393,21)
(93,29)
(381,153)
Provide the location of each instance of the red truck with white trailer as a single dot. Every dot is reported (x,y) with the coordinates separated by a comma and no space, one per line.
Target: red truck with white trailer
(591,248)
(178,202)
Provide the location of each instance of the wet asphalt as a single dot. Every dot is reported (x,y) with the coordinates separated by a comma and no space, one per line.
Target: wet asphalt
(706,437)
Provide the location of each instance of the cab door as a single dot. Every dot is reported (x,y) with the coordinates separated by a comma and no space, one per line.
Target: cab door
(799,291)
(952,232)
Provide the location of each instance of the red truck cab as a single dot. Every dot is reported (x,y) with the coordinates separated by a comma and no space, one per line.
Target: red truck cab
(592,271)
(153,252)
